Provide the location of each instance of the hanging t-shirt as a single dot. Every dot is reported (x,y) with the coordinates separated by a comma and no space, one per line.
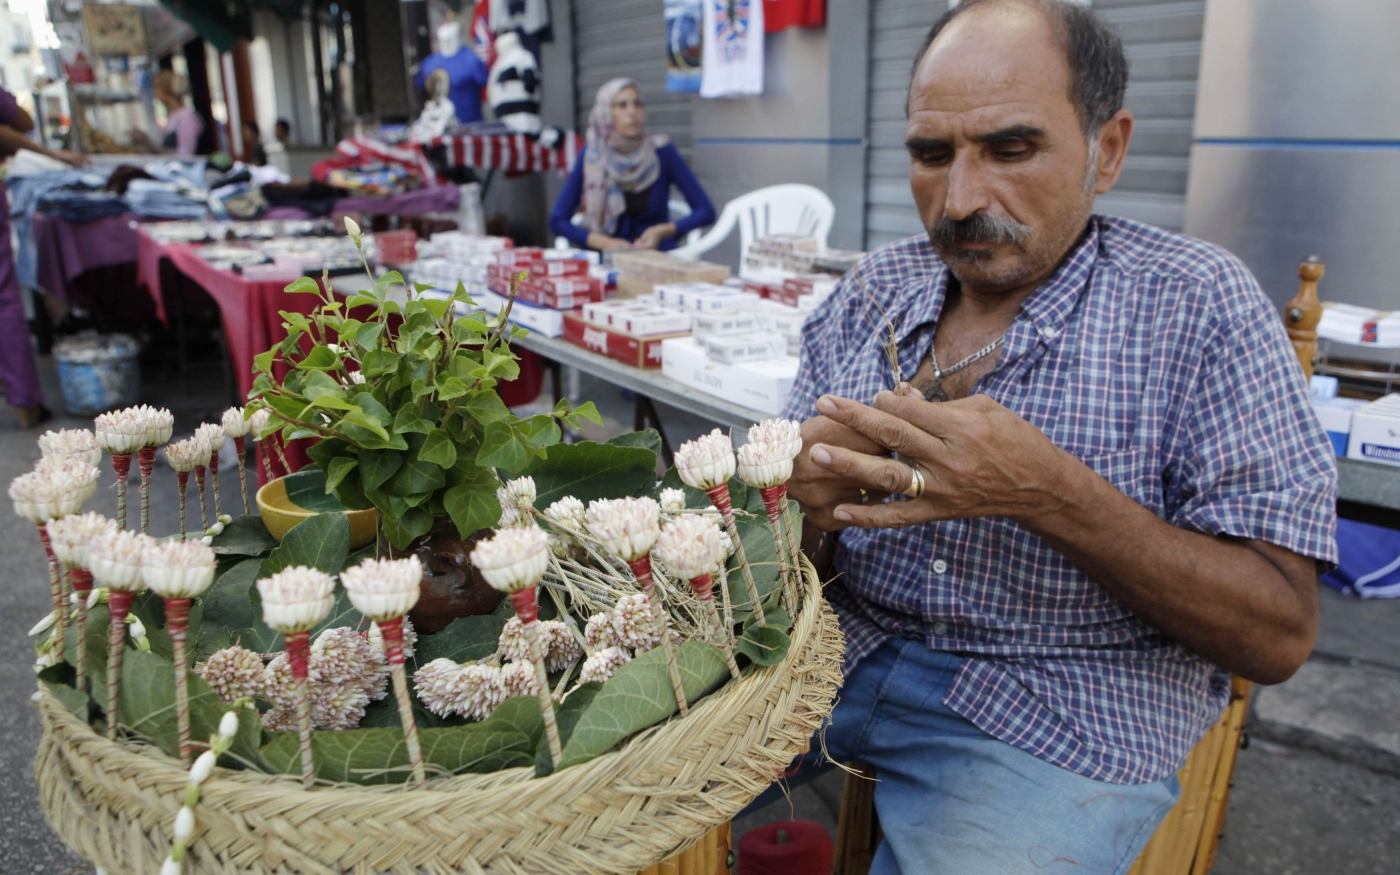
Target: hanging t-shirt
(733,65)
(527,16)
(466,74)
(782,14)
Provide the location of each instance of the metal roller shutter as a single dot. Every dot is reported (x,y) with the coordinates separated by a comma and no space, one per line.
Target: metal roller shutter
(1163,42)
(627,38)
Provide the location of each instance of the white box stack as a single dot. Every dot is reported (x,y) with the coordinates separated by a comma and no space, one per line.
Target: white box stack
(1375,431)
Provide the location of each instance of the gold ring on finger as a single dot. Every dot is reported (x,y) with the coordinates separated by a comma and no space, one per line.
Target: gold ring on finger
(916,482)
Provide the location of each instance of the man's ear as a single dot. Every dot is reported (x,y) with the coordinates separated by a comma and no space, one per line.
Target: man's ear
(1113,148)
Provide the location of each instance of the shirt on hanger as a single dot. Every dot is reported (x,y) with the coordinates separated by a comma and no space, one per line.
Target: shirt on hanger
(733,52)
(782,14)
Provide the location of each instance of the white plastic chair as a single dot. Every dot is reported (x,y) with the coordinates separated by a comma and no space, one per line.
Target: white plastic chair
(777,209)
(678,209)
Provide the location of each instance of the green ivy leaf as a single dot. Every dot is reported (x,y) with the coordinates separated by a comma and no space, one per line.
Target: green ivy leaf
(486,408)
(321,541)
(304,286)
(364,421)
(296,321)
(647,439)
(262,362)
(764,645)
(368,334)
(377,466)
(416,475)
(408,419)
(449,387)
(391,278)
(319,359)
(500,448)
(437,307)
(471,509)
(307,490)
(401,529)
(465,639)
(372,406)
(337,471)
(539,431)
(378,362)
(438,449)
(640,695)
(590,471)
(245,536)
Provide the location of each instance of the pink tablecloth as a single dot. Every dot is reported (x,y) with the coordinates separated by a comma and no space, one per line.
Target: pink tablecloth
(67,249)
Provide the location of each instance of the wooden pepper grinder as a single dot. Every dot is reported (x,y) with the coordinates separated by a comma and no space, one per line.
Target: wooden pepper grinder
(1301,315)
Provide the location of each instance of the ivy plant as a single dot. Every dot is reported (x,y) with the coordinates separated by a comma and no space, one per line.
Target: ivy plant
(404,402)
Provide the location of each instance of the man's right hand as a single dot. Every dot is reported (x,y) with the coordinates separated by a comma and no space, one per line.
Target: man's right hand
(818,490)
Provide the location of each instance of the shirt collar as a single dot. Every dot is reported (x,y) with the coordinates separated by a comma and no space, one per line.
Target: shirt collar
(1047,308)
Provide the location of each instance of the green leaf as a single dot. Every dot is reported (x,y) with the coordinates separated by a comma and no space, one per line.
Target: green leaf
(70,698)
(303,286)
(500,448)
(392,278)
(471,509)
(245,536)
(371,406)
(363,420)
(296,321)
(590,471)
(408,419)
(450,387)
(319,359)
(764,645)
(539,431)
(566,716)
(361,300)
(438,449)
(232,617)
(368,334)
(321,541)
(640,695)
(437,307)
(417,475)
(148,708)
(588,411)
(308,490)
(262,362)
(403,528)
(378,756)
(378,362)
(377,466)
(337,471)
(763,563)
(465,639)
(486,408)
(647,439)
(501,367)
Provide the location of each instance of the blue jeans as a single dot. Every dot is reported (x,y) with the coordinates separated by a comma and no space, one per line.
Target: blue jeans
(952,800)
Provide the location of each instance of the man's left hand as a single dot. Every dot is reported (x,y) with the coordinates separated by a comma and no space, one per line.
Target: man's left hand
(977,458)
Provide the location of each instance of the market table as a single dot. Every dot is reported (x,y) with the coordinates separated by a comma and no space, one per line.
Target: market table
(1369,483)
(68,249)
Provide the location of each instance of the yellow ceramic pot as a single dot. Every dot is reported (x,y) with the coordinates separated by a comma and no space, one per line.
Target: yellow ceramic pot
(286,501)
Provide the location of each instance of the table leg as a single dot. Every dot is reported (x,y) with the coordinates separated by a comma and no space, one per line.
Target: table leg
(646,412)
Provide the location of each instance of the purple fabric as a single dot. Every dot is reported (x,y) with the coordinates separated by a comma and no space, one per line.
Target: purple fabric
(9,108)
(436,199)
(286,214)
(67,249)
(18,371)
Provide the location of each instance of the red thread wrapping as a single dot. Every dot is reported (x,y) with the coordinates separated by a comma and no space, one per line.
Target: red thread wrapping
(183,477)
(146,461)
(119,604)
(238,445)
(641,569)
(298,653)
(121,463)
(773,497)
(81,578)
(392,631)
(177,616)
(703,586)
(719,497)
(526,607)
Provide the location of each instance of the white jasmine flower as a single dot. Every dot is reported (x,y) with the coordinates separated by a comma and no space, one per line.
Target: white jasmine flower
(170,867)
(707,461)
(522,492)
(203,765)
(296,599)
(228,724)
(114,558)
(510,517)
(513,560)
(235,422)
(673,500)
(160,423)
(783,435)
(177,569)
(355,378)
(77,442)
(344,656)
(562,648)
(44,625)
(627,527)
(137,630)
(519,679)
(691,546)
(233,673)
(184,824)
(383,589)
(603,665)
(71,536)
(635,624)
(598,632)
(353,229)
(57,487)
(763,464)
(211,438)
(257,422)
(184,455)
(567,513)
(121,432)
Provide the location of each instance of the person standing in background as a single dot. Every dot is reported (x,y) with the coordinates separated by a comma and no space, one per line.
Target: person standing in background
(183,125)
(18,370)
(252,143)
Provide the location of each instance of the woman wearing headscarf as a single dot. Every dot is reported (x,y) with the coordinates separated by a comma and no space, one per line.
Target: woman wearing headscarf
(621,185)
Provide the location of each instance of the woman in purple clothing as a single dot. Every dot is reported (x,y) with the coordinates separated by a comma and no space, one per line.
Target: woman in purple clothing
(622,183)
(17,368)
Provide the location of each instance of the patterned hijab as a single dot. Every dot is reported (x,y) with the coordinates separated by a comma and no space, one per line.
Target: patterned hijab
(614,164)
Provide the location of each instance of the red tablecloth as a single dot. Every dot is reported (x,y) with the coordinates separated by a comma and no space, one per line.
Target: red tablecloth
(253,324)
(513,153)
(68,249)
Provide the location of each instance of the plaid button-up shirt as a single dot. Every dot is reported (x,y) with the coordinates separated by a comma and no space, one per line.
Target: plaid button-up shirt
(1156,360)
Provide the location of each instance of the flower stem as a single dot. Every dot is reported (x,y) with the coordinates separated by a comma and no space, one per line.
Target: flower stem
(772,503)
(281,456)
(199,482)
(266,461)
(641,569)
(392,630)
(56,593)
(299,654)
(527,609)
(719,497)
(183,478)
(82,585)
(121,464)
(119,603)
(704,588)
(242,472)
(177,618)
(146,462)
(214,473)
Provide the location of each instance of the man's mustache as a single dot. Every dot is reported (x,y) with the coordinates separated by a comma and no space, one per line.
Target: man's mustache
(952,234)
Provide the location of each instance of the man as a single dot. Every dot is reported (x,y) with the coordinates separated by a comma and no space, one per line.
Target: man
(1108,489)
(18,371)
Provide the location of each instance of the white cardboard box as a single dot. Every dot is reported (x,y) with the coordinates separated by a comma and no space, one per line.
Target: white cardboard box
(764,386)
(541,320)
(1336,414)
(1375,431)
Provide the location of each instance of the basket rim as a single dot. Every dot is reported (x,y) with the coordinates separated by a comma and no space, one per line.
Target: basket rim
(672,732)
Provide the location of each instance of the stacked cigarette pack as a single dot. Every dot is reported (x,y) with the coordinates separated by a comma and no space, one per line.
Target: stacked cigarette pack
(629,330)
(639,272)
(761,385)
(1375,431)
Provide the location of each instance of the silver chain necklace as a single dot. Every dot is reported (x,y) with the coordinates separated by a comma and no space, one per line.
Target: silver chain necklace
(936,391)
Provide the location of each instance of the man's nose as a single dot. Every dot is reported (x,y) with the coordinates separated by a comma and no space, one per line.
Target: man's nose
(967,191)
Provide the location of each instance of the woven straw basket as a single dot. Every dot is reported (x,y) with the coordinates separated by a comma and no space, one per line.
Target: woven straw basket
(115,804)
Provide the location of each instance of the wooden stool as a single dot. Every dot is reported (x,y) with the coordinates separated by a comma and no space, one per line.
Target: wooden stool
(1185,841)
